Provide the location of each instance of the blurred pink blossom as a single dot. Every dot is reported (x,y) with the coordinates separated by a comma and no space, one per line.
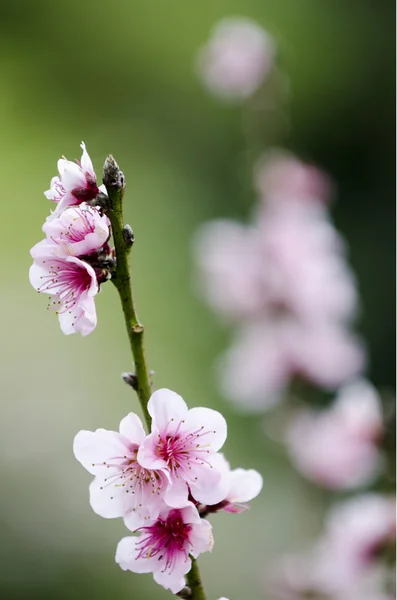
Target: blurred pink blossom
(281,177)
(344,564)
(286,280)
(356,530)
(236,59)
(337,448)
(267,354)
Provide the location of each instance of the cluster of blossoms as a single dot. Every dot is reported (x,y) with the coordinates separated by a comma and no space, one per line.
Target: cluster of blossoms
(346,562)
(283,280)
(163,484)
(74,258)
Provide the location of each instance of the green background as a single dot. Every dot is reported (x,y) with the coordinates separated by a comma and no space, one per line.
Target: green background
(121,77)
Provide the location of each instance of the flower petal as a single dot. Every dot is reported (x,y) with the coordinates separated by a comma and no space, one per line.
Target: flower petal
(147,455)
(167,409)
(244,485)
(127,557)
(201,538)
(174,579)
(213,424)
(131,428)
(94,449)
(109,500)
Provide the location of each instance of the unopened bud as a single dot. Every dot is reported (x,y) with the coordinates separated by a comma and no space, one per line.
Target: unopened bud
(128,236)
(130,379)
(185,592)
(112,175)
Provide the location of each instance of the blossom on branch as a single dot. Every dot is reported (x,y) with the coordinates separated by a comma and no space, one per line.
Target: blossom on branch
(67,268)
(76,182)
(72,285)
(122,487)
(165,545)
(183,443)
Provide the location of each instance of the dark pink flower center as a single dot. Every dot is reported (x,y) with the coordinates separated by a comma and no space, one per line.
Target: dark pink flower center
(87,193)
(165,539)
(179,450)
(68,279)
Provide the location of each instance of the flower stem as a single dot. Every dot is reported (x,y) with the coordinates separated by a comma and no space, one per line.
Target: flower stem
(193,580)
(122,281)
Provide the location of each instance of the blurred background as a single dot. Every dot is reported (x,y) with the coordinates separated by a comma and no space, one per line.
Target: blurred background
(121,77)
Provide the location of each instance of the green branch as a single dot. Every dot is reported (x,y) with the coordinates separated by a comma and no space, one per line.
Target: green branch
(193,581)
(114,182)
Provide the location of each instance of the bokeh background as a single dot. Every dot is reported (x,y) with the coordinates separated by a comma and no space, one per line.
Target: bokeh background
(121,77)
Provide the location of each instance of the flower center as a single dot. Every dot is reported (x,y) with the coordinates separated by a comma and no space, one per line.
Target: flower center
(166,538)
(131,476)
(180,450)
(67,280)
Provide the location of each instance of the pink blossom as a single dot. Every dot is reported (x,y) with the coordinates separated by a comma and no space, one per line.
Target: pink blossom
(121,488)
(76,182)
(164,547)
(268,354)
(183,443)
(236,59)
(73,284)
(77,231)
(337,448)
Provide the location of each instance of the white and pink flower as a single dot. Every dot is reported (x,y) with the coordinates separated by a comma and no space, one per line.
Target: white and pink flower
(243,485)
(183,443)
(72,284)
(165,545)
(122,487)
(76,182)
(77,231)
(236,59)
(338,448)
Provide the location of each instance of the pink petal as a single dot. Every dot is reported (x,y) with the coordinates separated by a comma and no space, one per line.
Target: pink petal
(94,448)
(85,161)
(177,493)
(131,428)
(126,557)
(213,423)
(201,538)
(167,409)
(244,485)
(173,579)
(109,501)
(208,484)
(147,456)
